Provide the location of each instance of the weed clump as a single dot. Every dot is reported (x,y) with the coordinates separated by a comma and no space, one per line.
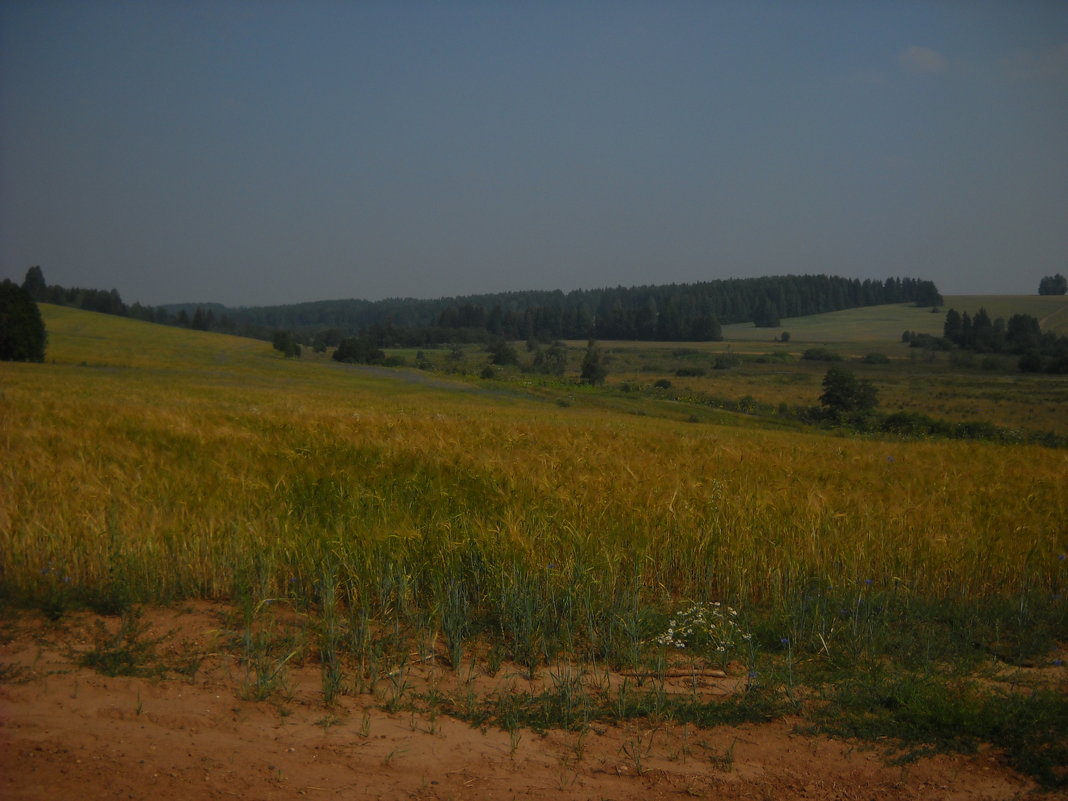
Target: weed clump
(124,652)
(705,629)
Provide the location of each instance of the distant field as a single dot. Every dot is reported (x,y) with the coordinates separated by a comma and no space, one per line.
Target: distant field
(886,323)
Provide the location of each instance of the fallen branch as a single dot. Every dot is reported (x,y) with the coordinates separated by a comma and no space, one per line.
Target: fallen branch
(677,674)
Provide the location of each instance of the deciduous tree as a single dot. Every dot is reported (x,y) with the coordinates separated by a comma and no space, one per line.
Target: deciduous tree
(1053,285)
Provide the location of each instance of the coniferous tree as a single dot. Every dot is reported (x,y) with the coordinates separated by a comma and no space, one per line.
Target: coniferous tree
(982,331)
(767,316)
(1023,334)
(35,284)
(593,366)
(951,329)
(22,331)
(706,328)
(967,338)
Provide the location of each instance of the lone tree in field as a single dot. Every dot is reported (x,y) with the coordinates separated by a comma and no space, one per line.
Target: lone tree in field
(22,331)
(843,392)
(1053,285)
(593,368)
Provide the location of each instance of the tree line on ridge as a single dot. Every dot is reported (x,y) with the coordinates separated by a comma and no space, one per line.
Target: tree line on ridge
(673,312)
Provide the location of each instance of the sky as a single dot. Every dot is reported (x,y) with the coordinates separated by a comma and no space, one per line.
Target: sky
(255,153)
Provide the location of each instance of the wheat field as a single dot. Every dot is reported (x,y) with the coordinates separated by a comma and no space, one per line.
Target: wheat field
(165,464)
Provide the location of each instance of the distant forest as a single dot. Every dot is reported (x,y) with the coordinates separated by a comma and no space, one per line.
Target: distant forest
(672,312)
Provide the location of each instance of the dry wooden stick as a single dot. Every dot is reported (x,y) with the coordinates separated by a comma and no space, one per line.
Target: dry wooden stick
(678,674)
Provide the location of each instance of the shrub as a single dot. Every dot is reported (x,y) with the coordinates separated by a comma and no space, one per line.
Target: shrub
(708,629)
(771,358)
(821,355)
(359,350)
(284,342)
(962,358)
(552,360)
(502,353)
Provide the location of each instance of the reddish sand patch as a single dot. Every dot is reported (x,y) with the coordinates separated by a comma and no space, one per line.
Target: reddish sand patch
(67,732)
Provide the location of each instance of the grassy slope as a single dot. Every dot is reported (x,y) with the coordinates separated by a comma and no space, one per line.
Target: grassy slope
(1051,310)
(125,448)
(78,337)
(886,323)
(132,353)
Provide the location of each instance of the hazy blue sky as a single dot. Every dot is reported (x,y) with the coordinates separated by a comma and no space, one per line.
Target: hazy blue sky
(268,152)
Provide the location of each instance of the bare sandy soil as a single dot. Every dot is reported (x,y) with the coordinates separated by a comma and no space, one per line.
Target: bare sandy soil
(68,732)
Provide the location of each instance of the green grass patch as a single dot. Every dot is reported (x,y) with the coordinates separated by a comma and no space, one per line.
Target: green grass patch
(926,714)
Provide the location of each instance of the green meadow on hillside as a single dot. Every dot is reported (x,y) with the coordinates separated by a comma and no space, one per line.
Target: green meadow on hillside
(1051,311)
(870,324)
(78,337)
(875,324)
(535,521)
